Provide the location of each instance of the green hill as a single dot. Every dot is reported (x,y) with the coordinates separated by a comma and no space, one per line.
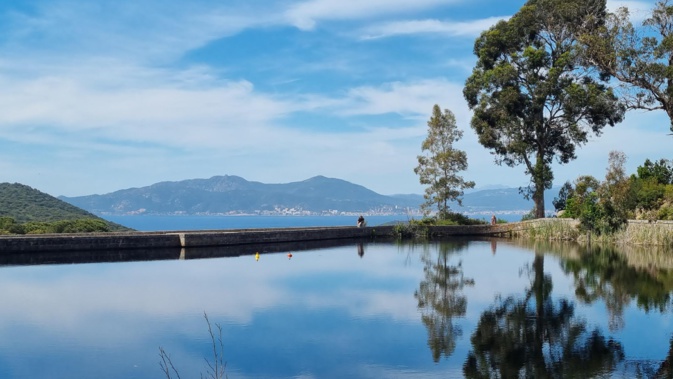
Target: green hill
(21,204)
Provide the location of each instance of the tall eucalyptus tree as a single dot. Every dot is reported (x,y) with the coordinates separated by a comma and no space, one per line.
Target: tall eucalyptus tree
(532,100)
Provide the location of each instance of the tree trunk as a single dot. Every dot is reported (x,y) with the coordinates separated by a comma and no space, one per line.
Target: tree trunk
(539,176)
(538,198)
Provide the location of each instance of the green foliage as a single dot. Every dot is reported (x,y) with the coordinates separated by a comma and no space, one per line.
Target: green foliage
(439,168)
(564,193)
(83,225)
(604,207)
(640,58)
(592,205)
(453,218)
(660,171)
(652,185)
(649,193)
(533,102)
(24,210)
(668,193)
(531,215)
(419,228)
(665,212)
(412,229)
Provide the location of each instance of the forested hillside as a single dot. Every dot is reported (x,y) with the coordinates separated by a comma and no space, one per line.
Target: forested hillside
(21,204)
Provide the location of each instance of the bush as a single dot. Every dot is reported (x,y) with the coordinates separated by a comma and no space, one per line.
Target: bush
(665,212)
(84,225)
(412,229)
(453,218)
(649,193)
(529,216)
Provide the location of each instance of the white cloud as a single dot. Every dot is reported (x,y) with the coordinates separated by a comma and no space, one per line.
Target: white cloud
(448,28)
(305,15)
(412,99)
(144,30)
(638,10)
(173,108)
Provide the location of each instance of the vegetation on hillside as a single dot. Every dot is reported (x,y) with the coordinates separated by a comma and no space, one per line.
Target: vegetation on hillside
(604,206)
(25,210)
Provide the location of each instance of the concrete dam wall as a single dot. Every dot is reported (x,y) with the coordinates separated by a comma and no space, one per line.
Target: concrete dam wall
(209,238)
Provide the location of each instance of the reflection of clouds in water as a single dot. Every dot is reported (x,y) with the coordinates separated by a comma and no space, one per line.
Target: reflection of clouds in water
(375,371)
(100,310)
(368,303)
(158,289)
(233,289)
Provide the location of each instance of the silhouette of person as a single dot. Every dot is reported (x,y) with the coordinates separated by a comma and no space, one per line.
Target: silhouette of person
(493,220)
(361,221)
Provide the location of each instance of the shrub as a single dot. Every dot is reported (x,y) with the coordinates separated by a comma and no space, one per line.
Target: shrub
(665,212)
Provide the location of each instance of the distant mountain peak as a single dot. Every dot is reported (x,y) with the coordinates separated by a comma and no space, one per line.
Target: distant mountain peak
(318,195)
(228,194)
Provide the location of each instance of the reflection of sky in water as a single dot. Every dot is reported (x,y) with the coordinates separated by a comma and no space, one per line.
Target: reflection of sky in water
(322,314)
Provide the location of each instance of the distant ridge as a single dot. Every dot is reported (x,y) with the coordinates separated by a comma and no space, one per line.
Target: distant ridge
(235,195)
(319,195)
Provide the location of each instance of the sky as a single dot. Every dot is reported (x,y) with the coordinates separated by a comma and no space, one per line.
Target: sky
(114,94)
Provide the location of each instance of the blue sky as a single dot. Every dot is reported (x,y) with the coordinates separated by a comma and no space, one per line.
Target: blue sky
(97,96)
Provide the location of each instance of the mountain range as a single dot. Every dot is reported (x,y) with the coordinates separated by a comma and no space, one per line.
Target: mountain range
(231,195)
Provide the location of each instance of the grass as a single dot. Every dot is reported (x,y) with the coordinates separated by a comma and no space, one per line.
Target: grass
(635,233)
(657,234)
(551,230)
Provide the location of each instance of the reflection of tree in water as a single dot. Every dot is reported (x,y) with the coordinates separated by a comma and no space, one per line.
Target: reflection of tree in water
(666,367)
(440,298)
(535,337)
(602,273)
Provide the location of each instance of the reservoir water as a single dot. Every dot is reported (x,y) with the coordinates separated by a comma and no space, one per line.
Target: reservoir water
(450,309)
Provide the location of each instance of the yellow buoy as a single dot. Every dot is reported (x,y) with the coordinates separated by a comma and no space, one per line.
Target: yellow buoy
(257,256)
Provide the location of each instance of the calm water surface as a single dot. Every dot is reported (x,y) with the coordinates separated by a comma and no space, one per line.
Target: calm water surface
(372,310)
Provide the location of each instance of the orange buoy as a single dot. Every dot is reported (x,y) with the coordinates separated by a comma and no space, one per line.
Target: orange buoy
(289,255)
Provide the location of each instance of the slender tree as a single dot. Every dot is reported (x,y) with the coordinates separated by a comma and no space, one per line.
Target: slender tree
(440,166)
(640,58)
(532,101)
